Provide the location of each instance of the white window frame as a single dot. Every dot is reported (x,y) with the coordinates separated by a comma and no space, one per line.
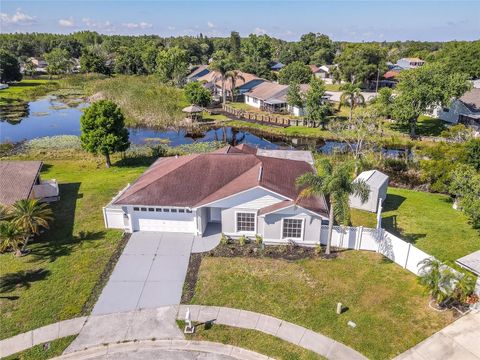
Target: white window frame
(254,222)
(303,228)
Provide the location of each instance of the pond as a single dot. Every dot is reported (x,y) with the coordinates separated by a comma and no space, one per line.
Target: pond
(52,116)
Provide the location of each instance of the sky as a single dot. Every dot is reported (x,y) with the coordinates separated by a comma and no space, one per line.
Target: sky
(386,20)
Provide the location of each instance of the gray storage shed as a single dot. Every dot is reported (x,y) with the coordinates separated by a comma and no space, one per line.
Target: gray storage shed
(378,183)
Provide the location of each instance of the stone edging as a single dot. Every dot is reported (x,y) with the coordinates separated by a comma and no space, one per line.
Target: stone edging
(186,345)
(284,330)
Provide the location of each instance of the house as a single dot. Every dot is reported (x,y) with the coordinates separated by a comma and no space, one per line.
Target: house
(237,190)
(410,63)
(40,64)
(268,96)
(378,183)
(276,66)
(21,180)
(464,110)
(243,83)
(198,72)
(471,262)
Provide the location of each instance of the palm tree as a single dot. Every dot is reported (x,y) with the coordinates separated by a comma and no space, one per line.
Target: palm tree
(11,237)
(234,75)
(336,183)
(352,96)
(4,213)
(222,64)
(31,216)
(437,278)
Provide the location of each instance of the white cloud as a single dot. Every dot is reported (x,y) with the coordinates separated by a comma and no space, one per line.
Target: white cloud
(140,25)
(210,24)
(19,18)
(99,25)
(259,31)
(171,28)
(66,22)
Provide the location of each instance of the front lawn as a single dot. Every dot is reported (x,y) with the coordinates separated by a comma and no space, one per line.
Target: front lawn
(386,302)
(427,220)
(55,281)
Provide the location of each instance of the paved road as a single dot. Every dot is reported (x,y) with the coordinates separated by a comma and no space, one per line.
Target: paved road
(149,274)
(458,341)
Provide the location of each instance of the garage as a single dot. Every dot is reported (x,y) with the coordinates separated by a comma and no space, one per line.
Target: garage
(163,219)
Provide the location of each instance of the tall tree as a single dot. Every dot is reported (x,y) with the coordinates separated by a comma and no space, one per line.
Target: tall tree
(295,72)
(9,67)
(351,96)
(129,61)
(58,61)
(233,76)
(318,109)
(294,96)
(235,46)
(336,183)
(91,61)
(31,216)
(172,65)
(257,54)
(222,63)
(384,102)
(103,129)
(421,88)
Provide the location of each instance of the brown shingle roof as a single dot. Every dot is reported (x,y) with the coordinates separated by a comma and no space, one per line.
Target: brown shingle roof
(196,180)
(471,99)
(17,179)
(268,90)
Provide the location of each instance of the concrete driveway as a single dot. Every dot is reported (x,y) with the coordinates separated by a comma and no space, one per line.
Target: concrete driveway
(150,273)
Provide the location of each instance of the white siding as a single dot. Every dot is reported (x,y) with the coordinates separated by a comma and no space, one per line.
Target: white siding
(249,100)
(114,218)
(254,199)
(453,112)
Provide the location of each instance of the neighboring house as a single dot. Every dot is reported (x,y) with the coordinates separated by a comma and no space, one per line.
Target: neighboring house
(276,66)
(21,180)
(464,110)
(410,63)
(41,65)
(198,72)
(237,190)
(378,183)
(268,96)
(243,83)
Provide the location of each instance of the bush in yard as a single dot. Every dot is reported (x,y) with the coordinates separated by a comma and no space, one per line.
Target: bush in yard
(103,129)
(224,239)
(258,239)
(196,94)
(437,278)
(242,240)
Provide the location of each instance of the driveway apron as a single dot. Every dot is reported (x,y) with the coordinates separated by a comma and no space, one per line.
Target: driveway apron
(150,273)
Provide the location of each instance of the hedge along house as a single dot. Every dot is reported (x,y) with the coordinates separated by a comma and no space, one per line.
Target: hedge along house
(378,183)
(236,190)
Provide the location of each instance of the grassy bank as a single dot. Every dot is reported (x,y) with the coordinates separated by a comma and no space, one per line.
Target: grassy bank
(55,280)
(38,352)
(382,298)
(27,90)
(426,220)
(252,340)
(143,99)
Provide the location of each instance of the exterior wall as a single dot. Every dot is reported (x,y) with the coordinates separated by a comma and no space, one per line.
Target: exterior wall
(453,112)
(229,219)
(253,199)
(254,102)
(271,224)
(370,204)
(296,111)
(114,217)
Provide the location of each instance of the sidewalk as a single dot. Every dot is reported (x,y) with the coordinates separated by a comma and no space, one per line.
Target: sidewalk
(458,341)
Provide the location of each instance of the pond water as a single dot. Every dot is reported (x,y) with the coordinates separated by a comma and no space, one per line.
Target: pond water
(51,116)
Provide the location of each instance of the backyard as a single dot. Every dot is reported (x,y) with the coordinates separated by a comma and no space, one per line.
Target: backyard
(386,302)
(426,220)
(55,281)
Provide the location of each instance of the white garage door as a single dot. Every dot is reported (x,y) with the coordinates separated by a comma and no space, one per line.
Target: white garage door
(171,222)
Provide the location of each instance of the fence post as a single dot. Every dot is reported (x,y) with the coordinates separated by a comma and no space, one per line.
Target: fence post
(358,243)
(408,254)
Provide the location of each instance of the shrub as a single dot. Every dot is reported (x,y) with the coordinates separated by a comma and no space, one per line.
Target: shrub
(224,240)
(318,249)
(258,239)
(242,240)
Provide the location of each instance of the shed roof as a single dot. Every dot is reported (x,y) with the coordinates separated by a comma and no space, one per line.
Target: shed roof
(17,179)
(471,262)
(373,178)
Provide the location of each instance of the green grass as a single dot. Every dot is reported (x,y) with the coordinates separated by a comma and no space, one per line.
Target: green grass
(54,282)
(39,353)
(251,340)
(426,126)
(26,90)
(333,87)
(386,302)
(427,220)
